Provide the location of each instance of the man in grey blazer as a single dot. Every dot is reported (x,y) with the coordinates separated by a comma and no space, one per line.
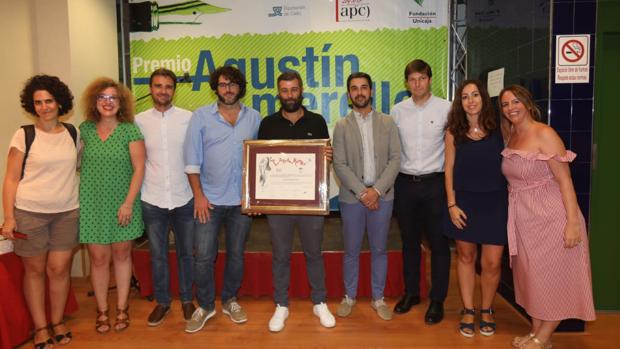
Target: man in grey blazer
(366,160)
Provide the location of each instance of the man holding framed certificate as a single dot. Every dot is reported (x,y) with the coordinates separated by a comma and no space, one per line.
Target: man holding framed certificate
(293,121)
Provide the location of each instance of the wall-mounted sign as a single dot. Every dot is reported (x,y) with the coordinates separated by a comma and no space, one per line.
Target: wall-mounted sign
(572,59)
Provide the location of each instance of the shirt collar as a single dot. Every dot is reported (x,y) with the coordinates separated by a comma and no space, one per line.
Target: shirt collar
(213,109)
(361,117)
(423,105)
(166,113)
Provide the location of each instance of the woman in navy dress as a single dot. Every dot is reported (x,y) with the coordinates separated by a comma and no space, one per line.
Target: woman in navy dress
(477,199)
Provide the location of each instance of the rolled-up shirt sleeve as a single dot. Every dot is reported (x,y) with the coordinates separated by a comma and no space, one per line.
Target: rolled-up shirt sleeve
(192,147)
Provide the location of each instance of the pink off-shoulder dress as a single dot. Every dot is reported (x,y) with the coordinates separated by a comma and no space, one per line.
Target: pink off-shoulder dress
(551,282)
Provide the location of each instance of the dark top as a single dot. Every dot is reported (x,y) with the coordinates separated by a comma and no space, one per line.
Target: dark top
(478,164)
(309,126)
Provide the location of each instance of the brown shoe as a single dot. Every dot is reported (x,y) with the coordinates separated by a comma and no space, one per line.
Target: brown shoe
(158,315)
(188,310)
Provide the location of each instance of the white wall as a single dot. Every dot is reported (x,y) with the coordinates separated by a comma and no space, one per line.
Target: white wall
(75,40)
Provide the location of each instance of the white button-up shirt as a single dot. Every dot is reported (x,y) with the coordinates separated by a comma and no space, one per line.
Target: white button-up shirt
(368,146)
(421,130)
(165,183)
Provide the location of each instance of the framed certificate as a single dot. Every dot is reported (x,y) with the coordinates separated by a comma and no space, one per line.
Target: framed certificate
(285,177)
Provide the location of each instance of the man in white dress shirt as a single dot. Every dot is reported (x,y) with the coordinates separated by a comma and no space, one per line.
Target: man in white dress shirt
(420,199)
(167,198)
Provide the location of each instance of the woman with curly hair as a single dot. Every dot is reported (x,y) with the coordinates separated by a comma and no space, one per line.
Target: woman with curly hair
(477,199)
(111,175)
(40,200)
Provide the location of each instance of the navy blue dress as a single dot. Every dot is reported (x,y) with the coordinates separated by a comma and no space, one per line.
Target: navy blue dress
(481,191)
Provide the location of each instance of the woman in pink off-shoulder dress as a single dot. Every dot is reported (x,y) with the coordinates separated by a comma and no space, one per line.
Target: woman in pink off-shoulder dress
(547,237)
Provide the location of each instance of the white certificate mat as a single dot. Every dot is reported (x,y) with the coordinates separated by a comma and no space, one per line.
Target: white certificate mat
(285,176)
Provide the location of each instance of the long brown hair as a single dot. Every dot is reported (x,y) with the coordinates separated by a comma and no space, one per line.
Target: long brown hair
(524,96)
(457,118)
(126,102)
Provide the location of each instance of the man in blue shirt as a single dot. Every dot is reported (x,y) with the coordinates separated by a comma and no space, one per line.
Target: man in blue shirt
(213,153)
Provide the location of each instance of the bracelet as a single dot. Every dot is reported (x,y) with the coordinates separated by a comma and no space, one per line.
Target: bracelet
(452,205)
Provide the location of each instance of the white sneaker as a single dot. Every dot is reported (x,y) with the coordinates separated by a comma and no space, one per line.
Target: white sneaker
(325,316)
(276,324)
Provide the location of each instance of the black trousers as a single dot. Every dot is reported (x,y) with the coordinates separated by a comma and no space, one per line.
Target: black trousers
(420,205)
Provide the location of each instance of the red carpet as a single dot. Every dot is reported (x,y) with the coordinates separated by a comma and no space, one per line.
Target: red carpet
(257,281)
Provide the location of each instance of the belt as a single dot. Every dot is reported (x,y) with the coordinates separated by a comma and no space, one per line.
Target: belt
(421,178)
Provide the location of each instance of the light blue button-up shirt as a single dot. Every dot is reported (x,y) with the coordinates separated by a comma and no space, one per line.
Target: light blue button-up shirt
(214,148)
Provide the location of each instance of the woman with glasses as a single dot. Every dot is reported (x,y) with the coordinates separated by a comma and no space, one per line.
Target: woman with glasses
(40,200)
(111,175)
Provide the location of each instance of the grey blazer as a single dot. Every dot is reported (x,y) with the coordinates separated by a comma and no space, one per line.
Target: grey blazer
(348,159)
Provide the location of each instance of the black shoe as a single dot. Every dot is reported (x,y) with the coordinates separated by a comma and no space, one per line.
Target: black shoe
(158,315)
(188,310)
(405,303)
(434,314)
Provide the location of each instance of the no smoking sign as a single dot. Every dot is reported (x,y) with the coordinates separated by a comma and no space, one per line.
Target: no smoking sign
(572,58)
(573,50)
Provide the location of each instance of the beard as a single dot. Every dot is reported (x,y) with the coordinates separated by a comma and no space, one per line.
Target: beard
(361,102)
(228,98)
(163,101)
(292,105)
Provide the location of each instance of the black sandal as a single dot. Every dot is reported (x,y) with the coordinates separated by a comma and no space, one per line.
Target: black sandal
(487,328)
(467,329)
(59,337)
(43,345)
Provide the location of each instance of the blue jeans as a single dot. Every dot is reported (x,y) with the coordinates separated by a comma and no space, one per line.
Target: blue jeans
(156,221)
(357,220)
(237,228)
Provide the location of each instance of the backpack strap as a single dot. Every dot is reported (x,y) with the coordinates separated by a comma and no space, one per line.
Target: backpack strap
(29,133)
(72,131)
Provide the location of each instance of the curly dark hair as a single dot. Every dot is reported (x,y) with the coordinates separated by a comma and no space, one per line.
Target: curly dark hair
(231,73)
(126,107)
(53,86)
(457,118)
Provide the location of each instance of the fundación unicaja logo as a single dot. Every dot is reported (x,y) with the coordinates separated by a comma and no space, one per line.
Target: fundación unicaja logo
(419,2)
(147,16)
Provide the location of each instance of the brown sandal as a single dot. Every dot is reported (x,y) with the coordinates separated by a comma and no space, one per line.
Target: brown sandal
(122,319)
(538,343)
(102,326)
(62,338)
(46,343)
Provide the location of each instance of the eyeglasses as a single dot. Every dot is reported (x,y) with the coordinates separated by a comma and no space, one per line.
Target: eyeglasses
(107,98)
(230,85)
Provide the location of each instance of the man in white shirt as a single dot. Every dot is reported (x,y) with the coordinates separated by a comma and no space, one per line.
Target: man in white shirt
(167,198)
(420,199)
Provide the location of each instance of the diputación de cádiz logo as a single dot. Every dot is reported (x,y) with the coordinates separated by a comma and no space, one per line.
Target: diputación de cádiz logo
(147,16)
(277,12)
(286,11)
